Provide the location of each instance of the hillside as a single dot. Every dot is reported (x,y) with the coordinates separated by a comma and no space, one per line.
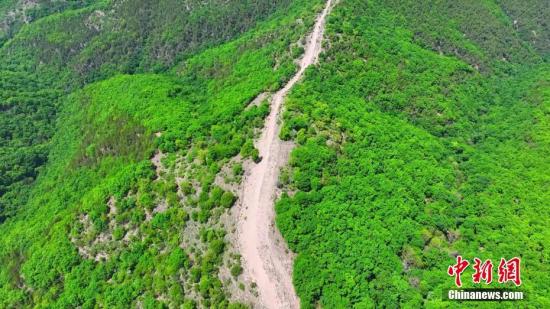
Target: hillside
(42,62)
(140,139)
(130,182)
(423,134)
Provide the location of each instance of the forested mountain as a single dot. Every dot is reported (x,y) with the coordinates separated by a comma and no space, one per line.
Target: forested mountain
(423,134)
(127,126)
(78,42)
(128,208)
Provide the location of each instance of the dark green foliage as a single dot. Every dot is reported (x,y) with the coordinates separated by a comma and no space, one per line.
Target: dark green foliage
(40,61)
(249,151)
(15,13)
(227,199)
(530,21)
(236,270)
(27,111)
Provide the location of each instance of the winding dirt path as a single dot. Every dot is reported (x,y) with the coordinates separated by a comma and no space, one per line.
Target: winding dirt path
(266,259)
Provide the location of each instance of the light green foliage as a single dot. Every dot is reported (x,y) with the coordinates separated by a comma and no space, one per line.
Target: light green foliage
(102,226)
(422,133)
(407,156)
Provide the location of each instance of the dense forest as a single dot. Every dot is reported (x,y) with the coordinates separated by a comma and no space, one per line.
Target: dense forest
(423,133)
(42,62)
(126,127)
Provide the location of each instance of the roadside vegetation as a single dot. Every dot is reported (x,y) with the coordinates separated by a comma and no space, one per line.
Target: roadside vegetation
(127,208)
(422,134)
(126,127)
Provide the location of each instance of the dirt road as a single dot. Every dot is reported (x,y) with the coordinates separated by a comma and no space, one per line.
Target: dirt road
(266,259)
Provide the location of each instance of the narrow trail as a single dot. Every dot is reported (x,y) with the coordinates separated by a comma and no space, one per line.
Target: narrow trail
(266,258)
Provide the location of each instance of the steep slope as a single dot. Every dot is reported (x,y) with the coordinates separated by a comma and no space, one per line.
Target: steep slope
(266,259)
(132,207)
(127,127)
(14,14)
(422,134)
(42,61)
